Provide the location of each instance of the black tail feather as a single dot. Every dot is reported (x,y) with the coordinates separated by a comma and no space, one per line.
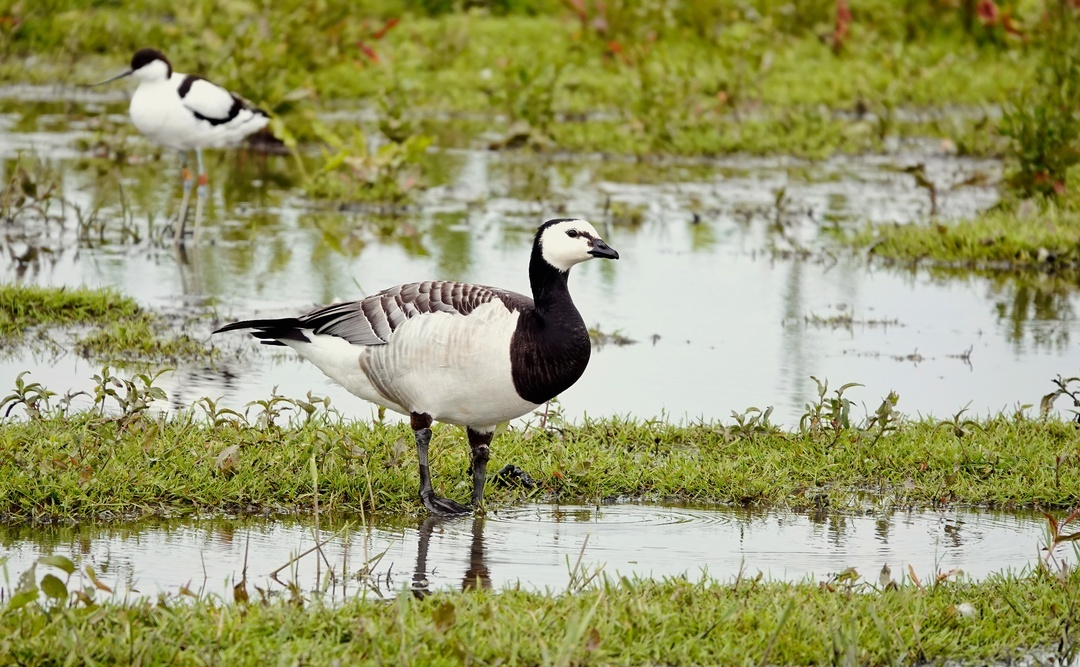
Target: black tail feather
(271,332)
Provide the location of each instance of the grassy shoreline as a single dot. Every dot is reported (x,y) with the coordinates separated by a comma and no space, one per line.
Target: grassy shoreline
(630,621)
(70,467)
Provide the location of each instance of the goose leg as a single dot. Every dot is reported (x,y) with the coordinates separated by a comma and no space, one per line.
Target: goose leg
(480,444)
(178,231)
(200,200)
(421,425)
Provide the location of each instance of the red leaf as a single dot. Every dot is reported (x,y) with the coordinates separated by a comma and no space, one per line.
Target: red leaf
(987,11)
(379,34)
(1011,27)
(367,51)
(843,24)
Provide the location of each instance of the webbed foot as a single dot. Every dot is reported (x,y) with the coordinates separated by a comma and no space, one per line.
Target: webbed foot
(511,475)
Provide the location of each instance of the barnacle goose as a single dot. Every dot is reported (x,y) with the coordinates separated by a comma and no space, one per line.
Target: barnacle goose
(463,354)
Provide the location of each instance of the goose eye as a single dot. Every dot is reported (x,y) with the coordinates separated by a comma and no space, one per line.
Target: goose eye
(572,233)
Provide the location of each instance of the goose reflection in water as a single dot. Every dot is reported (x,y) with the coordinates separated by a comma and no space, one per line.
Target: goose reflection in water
(476,576)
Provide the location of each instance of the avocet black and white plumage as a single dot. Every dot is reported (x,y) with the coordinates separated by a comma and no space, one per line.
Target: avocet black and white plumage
(464,354)
(186,112)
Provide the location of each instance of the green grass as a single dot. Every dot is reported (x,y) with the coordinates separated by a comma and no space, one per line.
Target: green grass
(1046,239)
(771,82)
(625,622)
(24,306)
(85,465)
(111,327)
(145,339)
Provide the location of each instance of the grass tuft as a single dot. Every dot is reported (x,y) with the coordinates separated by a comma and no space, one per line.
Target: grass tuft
(121,330)
(1022,237)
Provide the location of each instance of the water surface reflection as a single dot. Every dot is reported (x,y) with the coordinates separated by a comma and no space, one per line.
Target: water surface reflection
(532,546)
(713,276)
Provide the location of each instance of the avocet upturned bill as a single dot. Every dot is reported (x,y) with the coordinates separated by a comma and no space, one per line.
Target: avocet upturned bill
(186,112)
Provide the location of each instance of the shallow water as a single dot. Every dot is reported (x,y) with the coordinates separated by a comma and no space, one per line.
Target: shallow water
(536,547)
(726,312)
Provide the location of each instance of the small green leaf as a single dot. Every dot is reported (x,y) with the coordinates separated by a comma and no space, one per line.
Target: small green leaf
(20,600)
(444,616)
(97,583)
(53,587)
(60,562)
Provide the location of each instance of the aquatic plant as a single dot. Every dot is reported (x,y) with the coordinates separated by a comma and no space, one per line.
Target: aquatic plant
(33,396)
(24,306)
(58,593)
(832,413)
(356,171)
(1008,238)
(1057,536)
(31,190)
(601,338)
(132,396)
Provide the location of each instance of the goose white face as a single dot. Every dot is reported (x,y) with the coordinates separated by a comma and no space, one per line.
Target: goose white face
(155,70)
(569,242)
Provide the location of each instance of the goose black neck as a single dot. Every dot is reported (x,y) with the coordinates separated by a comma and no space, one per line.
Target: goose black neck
(549,286)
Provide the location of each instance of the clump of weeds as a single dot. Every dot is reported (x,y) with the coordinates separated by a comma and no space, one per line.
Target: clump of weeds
(32,396)
(830,413)
(116,398)
(1060,533)
(51,593)
(525,92)
(1057,568)
(1043,124)
(830,416)
(751,424)
(30,192)
(601,338)
(131,396)
(25,306)
(1065,387)
(355,169)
